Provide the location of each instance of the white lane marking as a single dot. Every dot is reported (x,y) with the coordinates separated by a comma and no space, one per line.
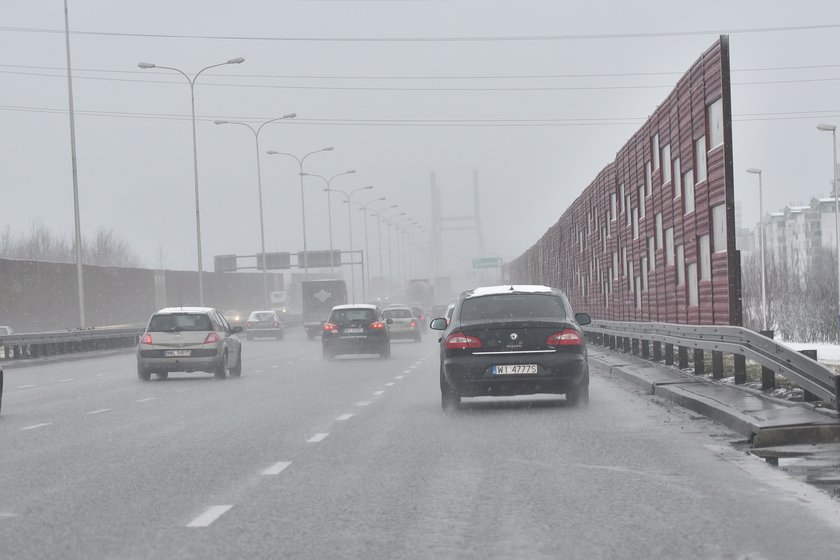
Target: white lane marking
(344,417)
(399,377)
(181,390)
(362,403)
(7,514)
(406,371)
(377,393)
(147,399)
(67,380)
(258,371)
(36,426)
(412,367)
(100,411)
(101,374)
(209,516)
(276,468)
(26,386)
(317,438)
(389,384)
(275,366)
(289,363)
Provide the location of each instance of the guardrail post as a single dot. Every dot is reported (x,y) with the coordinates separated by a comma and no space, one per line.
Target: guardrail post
(611,340)
(657,351)
(740,369)
(626,345)
(717,365)
(682,357)
(808,396)
(699,362)
(768,376)
(635,345)
(645,349)
(669,354)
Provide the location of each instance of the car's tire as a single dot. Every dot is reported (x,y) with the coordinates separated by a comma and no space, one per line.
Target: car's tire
(143,374)
(1,388)
(222,368)
(162,374)
(579,396)
(418,337)
(450,400)
(386,352)
(310,335)
(237,371)
(329,355)
(281,336)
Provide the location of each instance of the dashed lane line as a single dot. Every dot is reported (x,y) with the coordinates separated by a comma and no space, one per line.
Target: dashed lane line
(147,399)
(68,380)
(275,366)
(389,384)
(399,377)
(276,468)
(258,371)
(362,403)
(344,417)
(317,438)
(36,426)
(181,390)
(99,411)
(377,393)
(407,371)
(7,515)
(209,516)
(25,386)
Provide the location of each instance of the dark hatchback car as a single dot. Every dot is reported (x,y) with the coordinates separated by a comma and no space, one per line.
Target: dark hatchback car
(356,329)
(513,340)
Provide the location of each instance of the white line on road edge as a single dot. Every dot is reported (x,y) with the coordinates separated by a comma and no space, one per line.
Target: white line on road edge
(276,468)
(181,390)
(36,426)
(317,438)
(67,380)
(389,384)
(399,377)
(412,367)
(258,371)
(289,363)
(100,411)
(209,516)
(101,374)
(146,399)
(362,403)
(25,386)
(344,417)
(407,371)
(377,393)
(7,515)
(275,366)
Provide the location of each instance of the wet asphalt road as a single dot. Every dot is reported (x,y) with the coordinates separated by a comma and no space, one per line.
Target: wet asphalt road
(304,458)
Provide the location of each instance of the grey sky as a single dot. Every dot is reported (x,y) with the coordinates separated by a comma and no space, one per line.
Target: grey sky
(135,174)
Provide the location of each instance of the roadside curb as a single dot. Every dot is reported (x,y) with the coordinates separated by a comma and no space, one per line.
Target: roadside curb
(765,421)
(32,362)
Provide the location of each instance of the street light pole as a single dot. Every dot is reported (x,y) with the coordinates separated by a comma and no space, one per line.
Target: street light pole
(391,251)
(348,197)
(379,220)
(833,129)
(300,161)
(328,182)
(761,233)
(191,82)
(366,271)
(256,133)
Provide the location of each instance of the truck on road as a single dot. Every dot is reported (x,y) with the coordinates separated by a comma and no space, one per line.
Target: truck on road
(318,297)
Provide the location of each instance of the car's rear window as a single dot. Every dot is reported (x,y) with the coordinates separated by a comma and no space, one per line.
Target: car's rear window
(180,322)
(397,314)
(513,306)
(263,317)
(350,315)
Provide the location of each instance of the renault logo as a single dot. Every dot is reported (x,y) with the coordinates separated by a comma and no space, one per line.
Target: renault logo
(514,336)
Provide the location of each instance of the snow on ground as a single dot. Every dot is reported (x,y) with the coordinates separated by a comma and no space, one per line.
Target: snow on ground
(826,352)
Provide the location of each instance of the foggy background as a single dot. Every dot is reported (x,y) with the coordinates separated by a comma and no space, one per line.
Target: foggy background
(535,149)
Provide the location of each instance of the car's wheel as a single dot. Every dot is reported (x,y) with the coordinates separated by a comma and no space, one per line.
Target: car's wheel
(329,354)
(580,394)
(386,352)
(281,336)
(221,370)
(237,371)
(449,399)
(1,388)
(143,374)
(162,374)
(418,337)
(310,335)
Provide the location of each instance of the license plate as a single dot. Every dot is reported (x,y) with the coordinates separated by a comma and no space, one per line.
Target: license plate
(519,369)
(177,353)
(354,331)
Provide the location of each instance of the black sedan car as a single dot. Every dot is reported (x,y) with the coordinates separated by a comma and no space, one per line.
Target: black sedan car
(1,387)
(513,340)
(356,329)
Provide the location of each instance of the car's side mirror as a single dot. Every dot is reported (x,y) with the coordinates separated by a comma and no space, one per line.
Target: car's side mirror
(237,329)
(438,324)
(583,318)
(389,321)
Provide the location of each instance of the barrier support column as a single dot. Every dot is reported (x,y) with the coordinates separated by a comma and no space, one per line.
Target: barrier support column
(645,349)
(669,354)
(740,369)
(657,351)
(682,357)
(699,362)
(768,376)
(808,396)
(717,365)
(635,346)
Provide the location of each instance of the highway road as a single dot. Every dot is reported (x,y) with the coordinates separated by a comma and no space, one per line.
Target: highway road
(305,458)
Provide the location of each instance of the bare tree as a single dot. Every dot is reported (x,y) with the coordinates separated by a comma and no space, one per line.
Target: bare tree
(41,244)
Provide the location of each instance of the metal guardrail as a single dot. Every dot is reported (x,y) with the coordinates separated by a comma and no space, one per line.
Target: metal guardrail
(775,357)
(39,345)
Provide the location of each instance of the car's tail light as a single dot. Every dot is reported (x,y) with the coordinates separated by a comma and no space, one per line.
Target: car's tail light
(276,325)
(413,324)
(566,337)
(146,339)
(377,326)
(462,341)
(212,338)
(248,325)
(330,327)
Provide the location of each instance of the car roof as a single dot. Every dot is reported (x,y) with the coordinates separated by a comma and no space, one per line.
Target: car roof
(170,310)
(355,306)
(398,308)
(264,311)
(509,289)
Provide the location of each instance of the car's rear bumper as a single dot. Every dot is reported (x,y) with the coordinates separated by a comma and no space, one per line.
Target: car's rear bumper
(355,345)
(407,333)
(264,332)
(558,372)
(188,364)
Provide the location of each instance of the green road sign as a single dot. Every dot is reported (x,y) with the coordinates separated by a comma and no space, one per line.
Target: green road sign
(487,262)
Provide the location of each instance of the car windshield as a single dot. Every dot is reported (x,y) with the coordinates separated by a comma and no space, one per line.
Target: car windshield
(262,317)
(176,322)
(513,306)
(397,314)
(352,315)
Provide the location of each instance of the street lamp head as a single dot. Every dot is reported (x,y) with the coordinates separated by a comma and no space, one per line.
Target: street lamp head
(145,65)
(350,172)
(754,170)
(290,116)
(222,122)
(367,188)
(826,127)
(272,152)
(378,199)
(237,60)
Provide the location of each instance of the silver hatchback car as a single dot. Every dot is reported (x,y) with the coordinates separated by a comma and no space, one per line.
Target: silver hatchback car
(189,339)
